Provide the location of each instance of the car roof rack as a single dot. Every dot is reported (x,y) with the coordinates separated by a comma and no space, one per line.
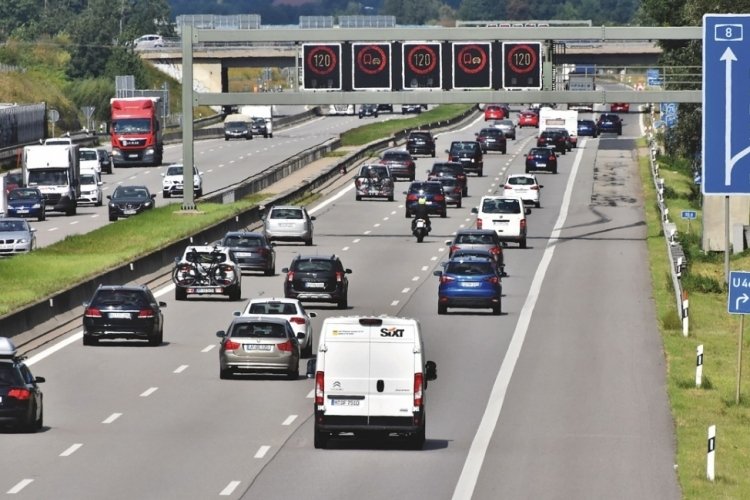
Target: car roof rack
(7,348)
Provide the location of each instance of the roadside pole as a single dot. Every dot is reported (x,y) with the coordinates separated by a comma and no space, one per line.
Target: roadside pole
(739,359)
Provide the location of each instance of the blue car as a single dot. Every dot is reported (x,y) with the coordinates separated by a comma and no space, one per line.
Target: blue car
(470,282)
(541,159)
(587,128)
(26,202)
(609,123)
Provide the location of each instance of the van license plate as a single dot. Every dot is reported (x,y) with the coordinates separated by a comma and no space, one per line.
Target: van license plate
(344,402)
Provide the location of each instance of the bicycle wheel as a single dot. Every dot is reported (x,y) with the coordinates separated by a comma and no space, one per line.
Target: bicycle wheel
(223,275)
(185,275)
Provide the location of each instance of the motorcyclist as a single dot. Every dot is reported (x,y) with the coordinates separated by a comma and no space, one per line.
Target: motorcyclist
(421,212)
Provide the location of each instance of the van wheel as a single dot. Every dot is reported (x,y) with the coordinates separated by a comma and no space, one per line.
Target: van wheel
(416,440)
(321,439)
(522,243)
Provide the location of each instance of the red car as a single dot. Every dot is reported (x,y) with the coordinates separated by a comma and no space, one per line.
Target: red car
(528,119)
(493,112)
(619,107)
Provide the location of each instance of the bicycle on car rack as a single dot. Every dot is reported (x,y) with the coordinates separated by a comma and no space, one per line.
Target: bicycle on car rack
(210,272)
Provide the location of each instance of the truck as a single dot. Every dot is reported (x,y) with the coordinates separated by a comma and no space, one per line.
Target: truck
(56,171)
(560,118)
(136,131)
(237,126)
(264,112)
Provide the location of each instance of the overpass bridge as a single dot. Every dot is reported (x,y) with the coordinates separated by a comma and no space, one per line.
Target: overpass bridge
(213,60)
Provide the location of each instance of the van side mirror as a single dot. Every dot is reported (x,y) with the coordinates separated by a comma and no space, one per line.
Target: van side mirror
(430,370)
(311,364)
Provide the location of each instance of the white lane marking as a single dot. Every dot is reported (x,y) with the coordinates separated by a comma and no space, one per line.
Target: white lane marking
(425,268)
(367,232)
(441,249)
(111,418)
(394,303)
(74,223)
(393,213)
(377,224)
(262,451)
(149,392)
(53,349)
(310,394)
(18,487)
(433,258)
(71,450)
(180,369)
(356,240)
(208,348)
(52,229)
(386,218)
(289,420)
(405,290)
(472,466)
(462,225)
(229,489)
(330,200)
(345,249)
(415,278)
(95,216)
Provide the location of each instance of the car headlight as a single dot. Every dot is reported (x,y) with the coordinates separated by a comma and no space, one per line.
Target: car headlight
(147,204)
(37,205)
(149,151)
(22,241)
(116,152)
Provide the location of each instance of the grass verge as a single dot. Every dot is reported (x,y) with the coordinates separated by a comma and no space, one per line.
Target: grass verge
(695,409)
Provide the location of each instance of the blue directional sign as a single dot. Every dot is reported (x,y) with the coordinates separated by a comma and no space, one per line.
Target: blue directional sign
(726,104)
(739,292)
(669,113)
(689,214)
(653,77)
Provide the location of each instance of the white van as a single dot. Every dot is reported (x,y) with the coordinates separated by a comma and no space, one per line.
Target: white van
(506,215)
(370,377)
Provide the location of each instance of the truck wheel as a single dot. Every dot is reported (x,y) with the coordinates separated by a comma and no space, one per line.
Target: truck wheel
(321,439)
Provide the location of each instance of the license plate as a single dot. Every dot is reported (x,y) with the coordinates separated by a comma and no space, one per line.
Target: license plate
(22,211)
(540,165)
(345,402)
(470,284)
(315,285)
(243,254)
(286,224)
(205,290)
(129,212)
(257,347)
(119,315)
(133,155)
(501,222)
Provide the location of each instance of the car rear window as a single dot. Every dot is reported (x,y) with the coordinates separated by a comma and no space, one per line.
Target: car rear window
(205,257)
(501,206)
(286,213)
(88,155)
(419,135)
(273,308)
(475,239)
(521,181)
(314,266)
(490,131)
(469,268)
(127,298)
(464,146)
(442,167)
(243,241)
(258,330)
(396,156)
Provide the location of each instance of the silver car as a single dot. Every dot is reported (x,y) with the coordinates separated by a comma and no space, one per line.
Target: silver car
(507,126)
(288,223)
(16,236)
(258,344)
(289,309)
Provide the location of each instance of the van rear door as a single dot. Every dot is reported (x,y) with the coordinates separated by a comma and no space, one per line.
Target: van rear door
(347,371)
(393,361)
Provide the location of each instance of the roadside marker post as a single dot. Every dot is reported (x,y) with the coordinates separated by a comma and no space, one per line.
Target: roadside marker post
(710,458)
(699,366)
(685,319)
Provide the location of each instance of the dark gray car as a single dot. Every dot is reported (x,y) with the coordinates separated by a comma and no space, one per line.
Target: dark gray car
(478,239)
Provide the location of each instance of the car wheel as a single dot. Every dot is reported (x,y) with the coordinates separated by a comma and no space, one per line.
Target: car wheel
(180,293)
(270,272)
(236,293)
(40,420)
(165,194)
(99,203)
(358,198)
(112,218)
(497,309)
(199,193)
(406,214)
(41,217)
(343,302)
(480,173)
(308,352)
(309,242)
(554,171)
(522,243)
(537,204)
(321,438)
(156,341)
(293,374)
(390,198)
(89,340)
(442,309)
(433,154)
(505,151)
(458,205)
(29,424)
(225,374)
(527,170)
(465,192)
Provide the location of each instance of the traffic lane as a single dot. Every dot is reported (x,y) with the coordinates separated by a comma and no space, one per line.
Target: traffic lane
(591,376)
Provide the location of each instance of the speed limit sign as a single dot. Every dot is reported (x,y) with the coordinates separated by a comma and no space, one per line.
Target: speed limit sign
(421,68)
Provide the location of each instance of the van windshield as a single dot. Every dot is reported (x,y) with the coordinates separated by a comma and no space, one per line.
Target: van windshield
(48,177)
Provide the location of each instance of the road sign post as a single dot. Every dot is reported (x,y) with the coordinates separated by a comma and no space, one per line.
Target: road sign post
(689,215)
(739,303)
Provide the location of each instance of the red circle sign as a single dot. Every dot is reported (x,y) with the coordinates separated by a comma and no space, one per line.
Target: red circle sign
(522,59)
(471,59)
(322,60)
(421,59)
(372,59)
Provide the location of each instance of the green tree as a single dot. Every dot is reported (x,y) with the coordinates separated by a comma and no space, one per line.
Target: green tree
(481,10)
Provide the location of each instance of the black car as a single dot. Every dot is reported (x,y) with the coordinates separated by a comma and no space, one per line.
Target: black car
(258,127)
(252,251)
(553,138)
(450,169)
(385,107)
(21,401)
(469,154)
(368,110)
(105,160)
(434,196)
(123,312)
(411,108)
(541,159)
(609,123)
(420,142)
(26,202)
(317,278)
(492,139)
(129,200)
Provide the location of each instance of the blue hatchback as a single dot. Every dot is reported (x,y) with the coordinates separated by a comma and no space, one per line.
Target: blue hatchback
(587,127)
(26,202)
(471,282)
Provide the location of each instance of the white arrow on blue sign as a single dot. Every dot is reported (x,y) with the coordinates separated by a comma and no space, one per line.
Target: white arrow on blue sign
(689,214)
(726,104)
(739,292)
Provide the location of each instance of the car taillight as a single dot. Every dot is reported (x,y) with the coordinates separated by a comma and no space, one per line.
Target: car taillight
(285,346)
(508,186)
(263,251)
(339,276)
(146,313)
(92,312)
(19,393)
(552,158)
(494,280)
(452,249)
(446,279)
(297,319)
(411,197)
(438,197)
(534,188)
(496,250)
(523,224)
(479,223)
(319,380)
(530,157)
(231,345)
(418,381)
(290,276)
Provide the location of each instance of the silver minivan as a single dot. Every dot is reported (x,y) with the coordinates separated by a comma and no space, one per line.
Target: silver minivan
(288,223)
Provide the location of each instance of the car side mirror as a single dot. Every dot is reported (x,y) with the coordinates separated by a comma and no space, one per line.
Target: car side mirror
(300,335)
(311,365)
(447,243)
(312,217)
(163,174)
(437,273)
(153,196)
(430,369)
(285,270)
(162,304)
(541,186)
(405,192)
(237,313)
(221,334)
(312,314)
(348,271)
(39,380)
(475,210)
(109,197)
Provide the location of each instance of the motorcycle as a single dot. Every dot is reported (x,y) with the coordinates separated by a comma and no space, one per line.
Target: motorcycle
(420,229)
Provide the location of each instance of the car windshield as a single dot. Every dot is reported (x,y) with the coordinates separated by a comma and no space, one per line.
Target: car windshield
(13,225)
(286,213)
(88,179)
(131,193)
(472,268)
(174,171)
(501,206)
(23,194)
(284,308)
(475,239)
(88,155)
(128,298)
(258,330)
(521,181)
(236,240)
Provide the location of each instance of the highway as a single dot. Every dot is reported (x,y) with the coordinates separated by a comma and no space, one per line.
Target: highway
(563,396)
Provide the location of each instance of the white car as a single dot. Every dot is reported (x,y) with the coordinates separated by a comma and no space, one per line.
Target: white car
(171,184)
(89,159)
(148,42)
(289,223)
(289,309)
(91,188)
(207,270)
(524,186)
(506,215)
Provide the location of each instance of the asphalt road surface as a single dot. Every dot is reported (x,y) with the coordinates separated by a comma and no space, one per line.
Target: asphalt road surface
(563,396)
